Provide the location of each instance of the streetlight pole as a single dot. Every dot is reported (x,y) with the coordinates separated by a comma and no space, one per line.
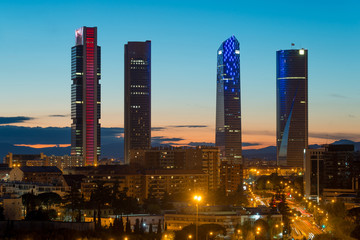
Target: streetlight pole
(196,221)
(197,200)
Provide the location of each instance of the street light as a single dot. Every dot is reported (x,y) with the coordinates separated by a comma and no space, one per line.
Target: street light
(197,199)
(190,236)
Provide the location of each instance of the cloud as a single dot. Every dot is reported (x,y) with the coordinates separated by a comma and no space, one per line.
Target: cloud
(111,131)
(164,139)
(335,95)
(190,126)
(112,135)
(247,144)
(34,135)
(18,119)
(194,144)
(349,136)
(160,140)
(352,116)
(157,129)
(51,135)
(59,115)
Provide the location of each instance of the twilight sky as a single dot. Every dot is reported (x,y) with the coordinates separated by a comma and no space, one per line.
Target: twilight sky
(36,38)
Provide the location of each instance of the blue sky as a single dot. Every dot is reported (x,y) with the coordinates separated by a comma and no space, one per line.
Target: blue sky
(36,37)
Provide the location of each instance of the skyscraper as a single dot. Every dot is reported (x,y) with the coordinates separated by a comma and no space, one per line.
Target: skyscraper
(137,96)
(85,95)
(228,115)
(228,101)
(291,106)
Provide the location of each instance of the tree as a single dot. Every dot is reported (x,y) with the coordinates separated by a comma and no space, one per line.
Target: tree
(326,236)
(122,204)
(37,215)
(74,202)
(203,231)
(99,197)
(142,228)
(121,225)
(159,228)
(165,203)
(118,225)
(30,202)
(152,204)
(246,229)
(128,225)
(278,202)
(2,216)
(49,198)
(262,229)
(137,226)
(238,198)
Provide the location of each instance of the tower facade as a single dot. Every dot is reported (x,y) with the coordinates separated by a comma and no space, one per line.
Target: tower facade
(85,95)
(228,101)
(137,96)
(291,106)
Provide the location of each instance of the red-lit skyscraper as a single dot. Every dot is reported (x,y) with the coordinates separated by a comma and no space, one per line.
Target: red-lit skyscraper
(85,95)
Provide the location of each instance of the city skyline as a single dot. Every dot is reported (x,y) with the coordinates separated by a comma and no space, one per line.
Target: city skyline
(325,94)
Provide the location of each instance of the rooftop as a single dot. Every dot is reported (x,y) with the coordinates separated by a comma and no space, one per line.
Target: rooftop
(40,169)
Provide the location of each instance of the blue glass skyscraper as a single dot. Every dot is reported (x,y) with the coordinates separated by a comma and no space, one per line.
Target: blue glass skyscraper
(291,106)
(228,101)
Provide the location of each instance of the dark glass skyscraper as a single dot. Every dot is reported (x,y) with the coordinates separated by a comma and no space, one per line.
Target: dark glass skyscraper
(137,96)
(228,101)
(85,95)
(291,106)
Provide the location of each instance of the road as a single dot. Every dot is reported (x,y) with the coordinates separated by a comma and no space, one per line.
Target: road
(304,228)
